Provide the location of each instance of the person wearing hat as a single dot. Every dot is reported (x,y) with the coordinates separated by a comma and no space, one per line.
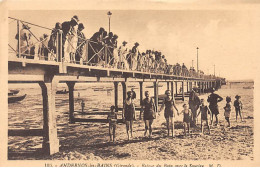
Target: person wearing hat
(115,58)
(52,44)
(99,40)
(135,54)
(238,107)
(122,56)
(43,47)
(194,103)
(81,44)
(25,40)
(213,100)
(69,38)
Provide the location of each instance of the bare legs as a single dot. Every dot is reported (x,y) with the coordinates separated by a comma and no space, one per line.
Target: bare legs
(170,125)
(129,126)
(148,125)
(216,116)
(238,111)
(112,132)
(204,123)
(186,126)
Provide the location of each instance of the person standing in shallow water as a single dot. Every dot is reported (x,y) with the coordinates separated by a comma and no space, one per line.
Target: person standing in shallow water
(148,108)
(169,114)
(213,100)
(129,114)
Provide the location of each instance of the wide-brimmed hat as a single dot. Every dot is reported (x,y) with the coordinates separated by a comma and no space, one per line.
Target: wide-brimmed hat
(81,26)
(124,42)
(237,96)
(26,26)
(75,18)
(137,43)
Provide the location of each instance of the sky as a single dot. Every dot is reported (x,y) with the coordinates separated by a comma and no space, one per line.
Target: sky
(228,39)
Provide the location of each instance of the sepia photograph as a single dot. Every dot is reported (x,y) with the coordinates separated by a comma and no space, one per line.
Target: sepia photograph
(135,85)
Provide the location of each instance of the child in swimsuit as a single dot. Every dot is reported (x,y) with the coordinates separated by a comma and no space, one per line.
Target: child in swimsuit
(112,120)
(238,107)
(227,109)
(186,118)
(205,111)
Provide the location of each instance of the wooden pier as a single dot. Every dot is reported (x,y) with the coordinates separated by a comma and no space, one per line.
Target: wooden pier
(49,73)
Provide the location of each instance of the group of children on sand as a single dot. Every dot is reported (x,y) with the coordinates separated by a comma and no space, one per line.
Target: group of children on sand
(238,107)
(149,107)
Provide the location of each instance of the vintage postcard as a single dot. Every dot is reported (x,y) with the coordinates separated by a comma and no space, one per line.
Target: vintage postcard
(152,83)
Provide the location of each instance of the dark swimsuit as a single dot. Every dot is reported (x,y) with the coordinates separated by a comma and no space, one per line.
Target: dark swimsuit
(129,111)
(148,109)
(168,112)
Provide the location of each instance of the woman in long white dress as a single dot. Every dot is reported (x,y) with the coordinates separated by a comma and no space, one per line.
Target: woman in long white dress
(70,45)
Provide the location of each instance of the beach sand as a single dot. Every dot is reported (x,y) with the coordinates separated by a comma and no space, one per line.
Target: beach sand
(89,141)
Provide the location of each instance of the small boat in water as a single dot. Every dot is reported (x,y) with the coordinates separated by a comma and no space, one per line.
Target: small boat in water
(62,91)
(13,92)
(15,98)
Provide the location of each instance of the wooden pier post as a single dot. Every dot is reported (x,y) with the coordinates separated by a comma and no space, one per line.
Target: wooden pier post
(50,138)
(172,90)
(124,86)
(71,101)
(116,95)
(168,85)
(182,90)
(156,97)
(202,87)
(188,86)
(176,88)
(141,92)
(199,85)
(141,96)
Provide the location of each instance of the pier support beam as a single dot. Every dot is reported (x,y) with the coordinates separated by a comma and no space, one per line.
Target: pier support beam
(188,86)
(172,89)
(124,86)
(176,88)
(116,95)
(141,92)
(182,85)
(141,97)
(156,98)
(50,138)
(202,86)
(168,85)
(71,101)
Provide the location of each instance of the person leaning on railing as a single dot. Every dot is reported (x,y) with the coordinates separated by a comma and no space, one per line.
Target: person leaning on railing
(135,52)
(80,44)
(115,57)
(53,41)
(95,45)
(25,40)
(69,38)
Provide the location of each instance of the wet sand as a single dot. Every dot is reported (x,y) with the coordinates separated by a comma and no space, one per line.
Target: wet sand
(89,141)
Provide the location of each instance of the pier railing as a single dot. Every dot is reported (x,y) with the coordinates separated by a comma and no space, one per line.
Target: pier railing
(87,52)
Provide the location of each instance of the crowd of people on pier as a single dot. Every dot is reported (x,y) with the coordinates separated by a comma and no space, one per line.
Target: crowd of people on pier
(191,111)
(101,49)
